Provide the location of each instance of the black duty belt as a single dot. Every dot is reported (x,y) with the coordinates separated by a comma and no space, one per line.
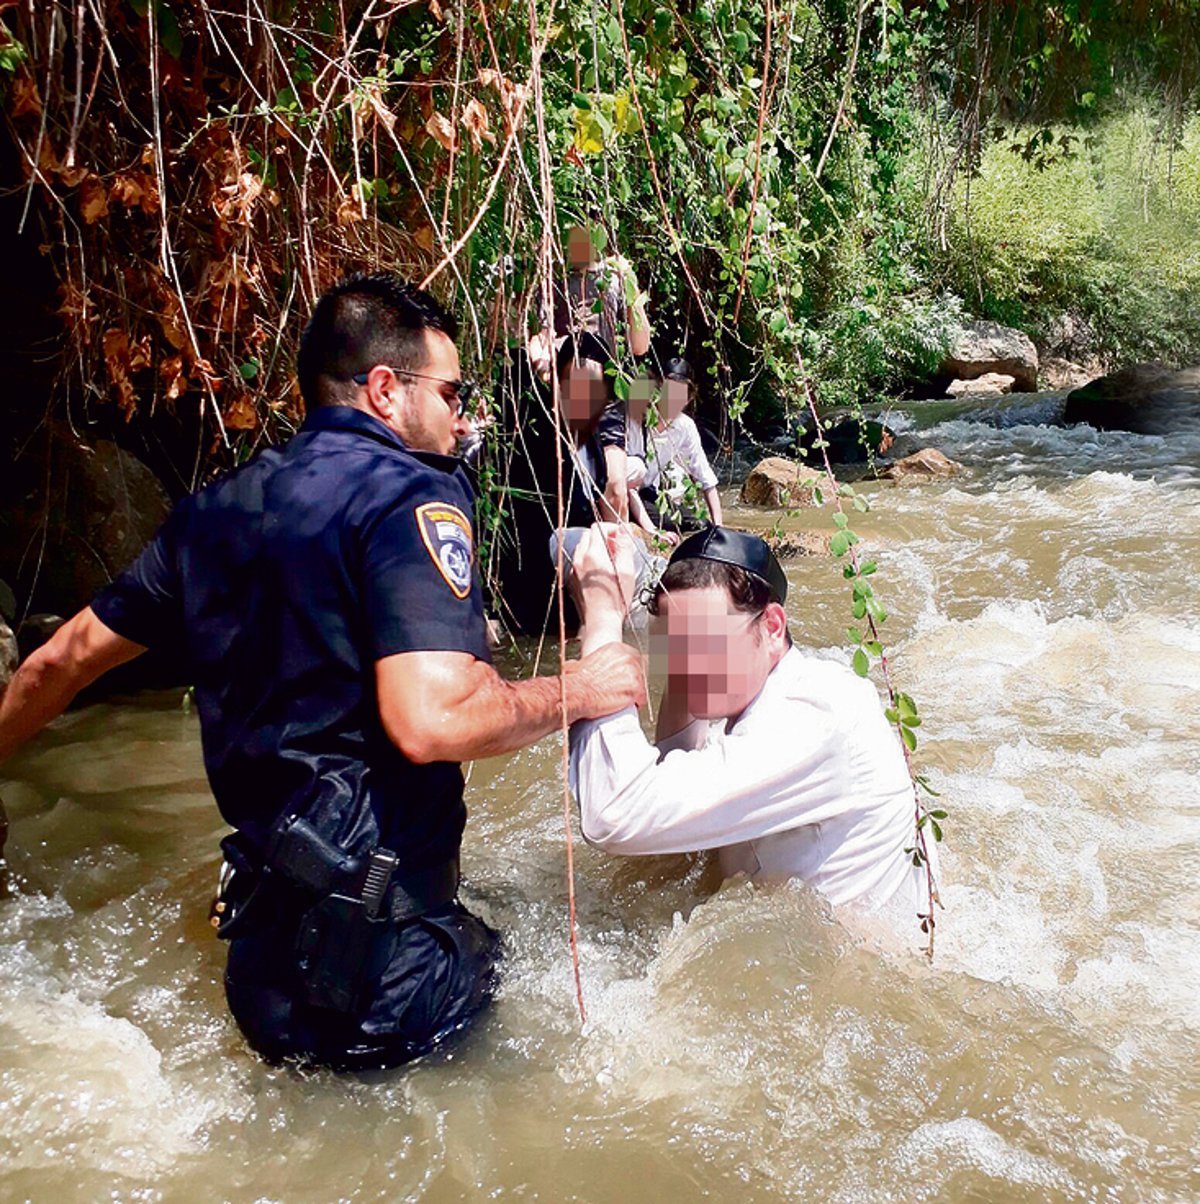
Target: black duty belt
(317,867)
(309,867)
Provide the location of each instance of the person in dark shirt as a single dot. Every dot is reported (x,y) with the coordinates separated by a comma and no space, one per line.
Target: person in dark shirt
(324,600)
(599,296)
(525,570)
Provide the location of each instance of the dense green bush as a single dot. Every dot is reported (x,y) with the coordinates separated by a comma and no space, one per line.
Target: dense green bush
(1107,229)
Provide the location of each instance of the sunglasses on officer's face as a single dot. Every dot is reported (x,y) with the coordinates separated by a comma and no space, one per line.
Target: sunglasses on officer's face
(461,390)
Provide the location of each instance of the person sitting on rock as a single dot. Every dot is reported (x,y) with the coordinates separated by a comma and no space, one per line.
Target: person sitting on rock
(665,456)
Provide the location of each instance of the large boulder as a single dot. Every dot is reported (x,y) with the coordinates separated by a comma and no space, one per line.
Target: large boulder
(1058,373)
(776,482)
(928,464)
(985,347)
(72,516)
(990,384)
(1146,399)
(8,655)
(847,441)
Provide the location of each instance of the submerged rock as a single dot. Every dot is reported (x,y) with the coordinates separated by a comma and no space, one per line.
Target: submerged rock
(850,441)
(1145,399)
(791,544)
(988,347)
(925,465)
(72,516)
(776,482)
(990,384)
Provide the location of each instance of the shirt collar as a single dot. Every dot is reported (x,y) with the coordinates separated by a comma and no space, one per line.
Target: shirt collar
(349,418)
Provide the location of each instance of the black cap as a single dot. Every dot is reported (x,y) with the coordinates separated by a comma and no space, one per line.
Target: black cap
(738,548)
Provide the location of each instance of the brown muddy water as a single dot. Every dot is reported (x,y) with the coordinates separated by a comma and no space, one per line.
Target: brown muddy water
(740,1045)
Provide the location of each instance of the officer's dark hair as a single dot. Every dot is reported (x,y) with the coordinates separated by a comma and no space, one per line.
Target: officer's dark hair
(748,593)
(362,321)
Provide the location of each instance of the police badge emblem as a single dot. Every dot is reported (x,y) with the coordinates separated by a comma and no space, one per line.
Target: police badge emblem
(446,532)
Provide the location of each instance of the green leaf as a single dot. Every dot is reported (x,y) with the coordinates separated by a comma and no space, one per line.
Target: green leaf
(818,496)
(867,568)
(169,36)
(905,704)
(909,737)
(891,716)
(939,814)
(854,635)
(937,829)
(874,647)
(876,610)
(860,664)
(583,102)
(859,608)
(248,370)
(861,504)
(910,720)
(839,545)
(840,521)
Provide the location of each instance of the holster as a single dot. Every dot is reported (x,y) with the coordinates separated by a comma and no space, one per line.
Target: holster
(351,908)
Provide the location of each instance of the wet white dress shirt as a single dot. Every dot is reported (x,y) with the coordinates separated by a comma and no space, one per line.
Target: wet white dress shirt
(809,782)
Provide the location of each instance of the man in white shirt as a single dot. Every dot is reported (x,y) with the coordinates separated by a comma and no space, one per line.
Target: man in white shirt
(781,761)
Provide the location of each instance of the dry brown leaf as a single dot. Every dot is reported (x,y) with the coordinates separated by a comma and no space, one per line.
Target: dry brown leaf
(171,371)
(435,10)
(71,176)
(349,211)
(93,199)
(135,192)
(139,354)
(237,200)
(174,328)
(116,359)
(370,101)
(424,238)
(240,414)
(475,122)
(24,98)
(441,131)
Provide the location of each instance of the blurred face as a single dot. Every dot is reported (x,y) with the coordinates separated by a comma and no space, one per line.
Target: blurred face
(582,395)
(579,246)
(718,655)
(675,397)
(641,393)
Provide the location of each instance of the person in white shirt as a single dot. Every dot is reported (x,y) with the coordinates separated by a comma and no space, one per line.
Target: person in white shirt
(664,457)
(783,762)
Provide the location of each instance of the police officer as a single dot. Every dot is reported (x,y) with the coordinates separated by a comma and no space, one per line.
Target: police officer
(324,601)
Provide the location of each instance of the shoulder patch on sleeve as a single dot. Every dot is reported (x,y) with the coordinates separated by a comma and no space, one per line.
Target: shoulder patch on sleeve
(446,533)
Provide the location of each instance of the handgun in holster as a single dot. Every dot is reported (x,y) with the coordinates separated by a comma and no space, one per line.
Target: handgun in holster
(346,937)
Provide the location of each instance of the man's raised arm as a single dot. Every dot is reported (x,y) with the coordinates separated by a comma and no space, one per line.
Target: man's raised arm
(448,706)
(42,688)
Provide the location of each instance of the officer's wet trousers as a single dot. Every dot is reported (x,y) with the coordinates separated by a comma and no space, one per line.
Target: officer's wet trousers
(439,976)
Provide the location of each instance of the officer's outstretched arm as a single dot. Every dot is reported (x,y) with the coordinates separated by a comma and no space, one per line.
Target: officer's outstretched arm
(448,706)
(41,689)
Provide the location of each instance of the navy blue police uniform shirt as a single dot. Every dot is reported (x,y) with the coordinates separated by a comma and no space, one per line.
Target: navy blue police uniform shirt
(280,586)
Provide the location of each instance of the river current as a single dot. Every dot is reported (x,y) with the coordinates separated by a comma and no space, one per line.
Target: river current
(740,1044)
